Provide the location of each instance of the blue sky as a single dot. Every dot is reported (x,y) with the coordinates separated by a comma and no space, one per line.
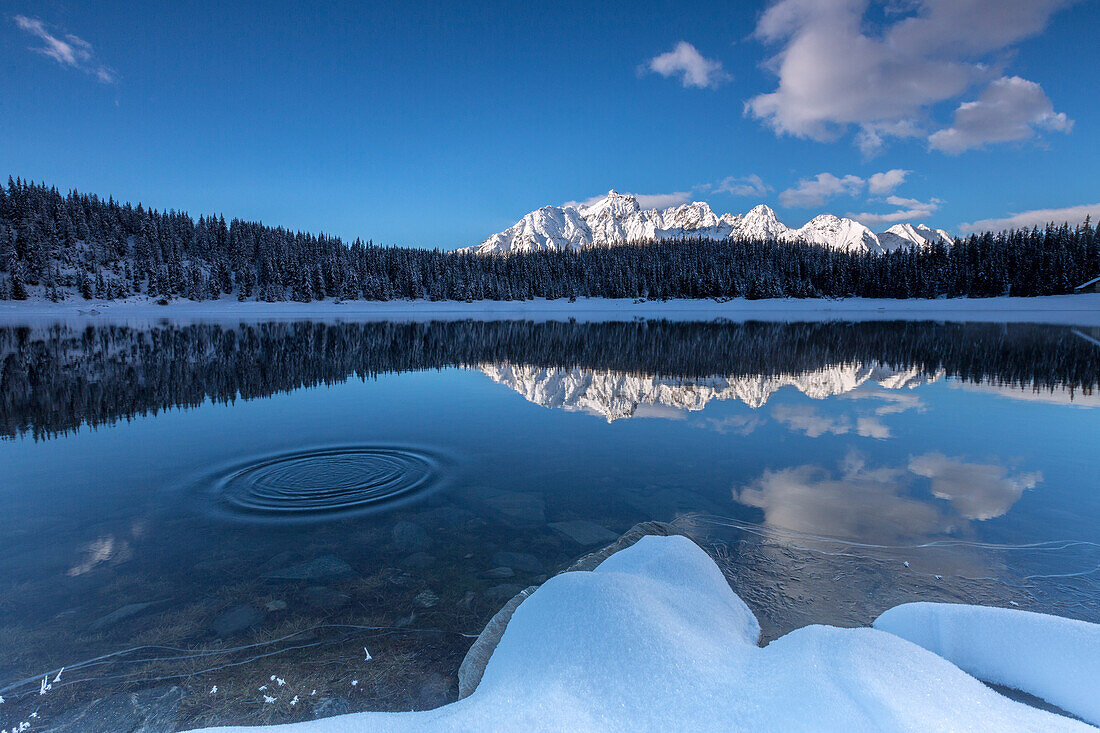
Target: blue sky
(432,125)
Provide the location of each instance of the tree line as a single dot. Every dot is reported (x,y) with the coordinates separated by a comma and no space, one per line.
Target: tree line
(61,246)
(56,378)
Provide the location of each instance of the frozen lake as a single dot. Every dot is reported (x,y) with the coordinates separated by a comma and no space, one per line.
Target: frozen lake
(225,505)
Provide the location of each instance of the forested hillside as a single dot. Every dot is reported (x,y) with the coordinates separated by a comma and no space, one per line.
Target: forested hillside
(65,246)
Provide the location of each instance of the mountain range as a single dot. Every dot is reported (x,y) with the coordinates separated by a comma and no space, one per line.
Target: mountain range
(619,219)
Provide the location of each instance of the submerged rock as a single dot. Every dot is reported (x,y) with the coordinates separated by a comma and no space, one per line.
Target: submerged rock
(319,596)
(503,592)
(584,532)
(397,577)
(418,561)
(410,537)
(524,507)
(436,691)
(522,561)
(237,619)
(497,573)
(321,568)
(155,710)
(426,598)
(448,517)
(131,609)
(328,706)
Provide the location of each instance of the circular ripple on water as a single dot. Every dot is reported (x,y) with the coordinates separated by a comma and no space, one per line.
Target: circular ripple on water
(327,481)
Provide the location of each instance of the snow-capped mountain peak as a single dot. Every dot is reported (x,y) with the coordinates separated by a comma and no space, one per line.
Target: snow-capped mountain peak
(761,223)
(615,204)
(906,235)
(619,219)
(832,231)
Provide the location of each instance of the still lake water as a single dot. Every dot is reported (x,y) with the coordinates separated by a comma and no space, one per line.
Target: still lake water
(199,507)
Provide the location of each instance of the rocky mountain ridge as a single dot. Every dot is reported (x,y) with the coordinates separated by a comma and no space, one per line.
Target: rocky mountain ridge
(619,219)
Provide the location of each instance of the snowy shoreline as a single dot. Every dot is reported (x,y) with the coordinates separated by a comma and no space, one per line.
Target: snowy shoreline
(653,637)
(1069,310)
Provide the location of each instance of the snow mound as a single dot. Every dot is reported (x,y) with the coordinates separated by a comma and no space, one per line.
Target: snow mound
(654,639)
(1056,659)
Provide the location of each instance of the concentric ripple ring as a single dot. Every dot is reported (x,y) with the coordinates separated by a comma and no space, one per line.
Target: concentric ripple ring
(326,481)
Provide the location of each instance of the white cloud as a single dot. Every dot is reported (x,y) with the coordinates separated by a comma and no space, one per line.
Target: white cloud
(810,192)
(910,209)
(662,200)
(871,137)
(1009,109)
(976,490)
(71,51)
(887,181)
(751,185)
(686,62)
(1036,218)
(645,200)
(837,67)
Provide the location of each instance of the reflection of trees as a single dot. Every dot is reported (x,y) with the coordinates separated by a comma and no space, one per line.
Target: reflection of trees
(58,378)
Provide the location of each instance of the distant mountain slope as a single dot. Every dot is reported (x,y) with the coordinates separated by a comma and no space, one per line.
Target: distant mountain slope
(619,219)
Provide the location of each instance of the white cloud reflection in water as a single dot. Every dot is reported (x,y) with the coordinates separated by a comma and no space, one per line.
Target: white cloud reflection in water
(878,504)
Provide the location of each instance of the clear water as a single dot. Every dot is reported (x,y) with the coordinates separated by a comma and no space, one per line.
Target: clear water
(212,506)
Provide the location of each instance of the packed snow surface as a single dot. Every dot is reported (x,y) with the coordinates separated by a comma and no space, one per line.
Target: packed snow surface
(654,639)
(1071,310)
(619,219)
(1057,659)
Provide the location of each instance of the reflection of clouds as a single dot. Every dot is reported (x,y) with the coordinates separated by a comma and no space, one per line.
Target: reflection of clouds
(736,424)
(806,419)
(862,503)
(872,427)
(101,550)
(975,490)
(876,505)
(893,402)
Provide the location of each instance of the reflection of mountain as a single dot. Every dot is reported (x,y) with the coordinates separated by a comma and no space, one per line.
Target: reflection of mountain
(615,395)
(56,378)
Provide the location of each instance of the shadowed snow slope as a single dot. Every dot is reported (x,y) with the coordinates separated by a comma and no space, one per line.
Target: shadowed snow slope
(654,639)
(1057,659)
(619,219)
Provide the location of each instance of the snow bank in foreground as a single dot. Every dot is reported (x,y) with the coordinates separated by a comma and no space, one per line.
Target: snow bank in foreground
(654,639)
(1057,659)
